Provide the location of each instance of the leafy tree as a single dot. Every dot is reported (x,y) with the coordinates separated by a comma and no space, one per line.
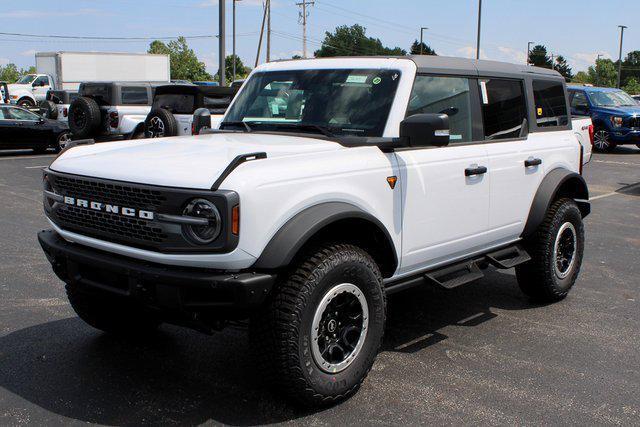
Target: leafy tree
(242,71)
(604,73)
(9,73)
(563,68)
(630,67)
(296,57)
(426,49)
(582,77)
(538,56)
(632,86)
(353,41)
(184,62)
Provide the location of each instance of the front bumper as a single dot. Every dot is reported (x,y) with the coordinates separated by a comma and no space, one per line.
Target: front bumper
(625,136)
(175,292)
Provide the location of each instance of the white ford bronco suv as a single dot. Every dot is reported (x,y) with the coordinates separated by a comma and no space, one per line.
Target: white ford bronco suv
(330,184)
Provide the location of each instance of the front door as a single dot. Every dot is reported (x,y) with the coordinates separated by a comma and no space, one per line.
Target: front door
(445,190)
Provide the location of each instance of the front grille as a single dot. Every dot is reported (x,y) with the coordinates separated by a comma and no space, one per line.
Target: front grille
(108,221)
(634,122)
(116,194)
(101,224)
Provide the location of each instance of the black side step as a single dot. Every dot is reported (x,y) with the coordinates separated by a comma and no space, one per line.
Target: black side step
(463,272)
(508,257)
(455,275)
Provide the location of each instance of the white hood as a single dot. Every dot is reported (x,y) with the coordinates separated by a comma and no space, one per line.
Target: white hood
(187,162)
(14,88)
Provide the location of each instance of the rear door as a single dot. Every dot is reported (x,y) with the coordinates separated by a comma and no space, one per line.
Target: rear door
(446,202)
(30,129)
(9,132)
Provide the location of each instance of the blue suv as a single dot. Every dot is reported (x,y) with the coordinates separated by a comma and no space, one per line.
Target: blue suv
(615,115)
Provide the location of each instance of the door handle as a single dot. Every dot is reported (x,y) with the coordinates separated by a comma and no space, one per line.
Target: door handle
(475,170)
(532,162)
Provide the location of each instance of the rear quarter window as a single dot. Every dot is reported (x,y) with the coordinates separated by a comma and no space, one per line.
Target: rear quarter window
(550,104)
(132,95)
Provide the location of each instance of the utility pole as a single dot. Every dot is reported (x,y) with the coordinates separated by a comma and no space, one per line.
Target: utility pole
(221,42)
(303,16)
(234,39)
(479,26)
(421,38)
(268,6)
(622,27)
(264,18)
(529,52)
(596,69)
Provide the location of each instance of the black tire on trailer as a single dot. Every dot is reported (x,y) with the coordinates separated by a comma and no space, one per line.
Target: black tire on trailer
(84,117)
(556,250)
(111,314)
(26,103)
(319,334)
(160,123)
(48,109)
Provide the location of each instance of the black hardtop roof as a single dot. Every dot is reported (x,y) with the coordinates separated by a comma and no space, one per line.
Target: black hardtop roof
(195,90)
(125,83)
(484,68)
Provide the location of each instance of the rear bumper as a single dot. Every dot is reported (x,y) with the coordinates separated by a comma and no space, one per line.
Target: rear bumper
(175,291)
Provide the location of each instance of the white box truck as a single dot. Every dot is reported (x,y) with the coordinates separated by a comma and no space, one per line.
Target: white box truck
(66,70)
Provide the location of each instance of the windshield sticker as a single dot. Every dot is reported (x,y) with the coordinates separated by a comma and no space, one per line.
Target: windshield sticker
(376,80)
(356,79)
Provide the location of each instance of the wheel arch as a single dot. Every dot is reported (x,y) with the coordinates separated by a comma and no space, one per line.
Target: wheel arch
(558,183)
(331,221)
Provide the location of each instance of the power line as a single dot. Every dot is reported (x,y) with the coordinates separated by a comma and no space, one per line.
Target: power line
(56,36)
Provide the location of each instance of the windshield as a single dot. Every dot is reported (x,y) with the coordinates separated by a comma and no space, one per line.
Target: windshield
(346,102)
(611,99)
(26,80)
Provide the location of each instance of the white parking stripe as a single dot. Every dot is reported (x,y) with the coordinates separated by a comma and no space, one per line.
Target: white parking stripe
(35,167)
(613,193)
(613,162)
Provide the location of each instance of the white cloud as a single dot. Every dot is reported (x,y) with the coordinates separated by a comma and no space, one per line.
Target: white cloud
(4,61)
(470,52)
(30,52)
(25,14)
(512,55)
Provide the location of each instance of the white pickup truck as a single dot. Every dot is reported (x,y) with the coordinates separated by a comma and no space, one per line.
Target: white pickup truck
(331,184)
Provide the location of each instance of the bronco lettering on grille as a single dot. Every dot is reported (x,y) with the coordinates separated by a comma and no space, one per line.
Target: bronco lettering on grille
(104,207)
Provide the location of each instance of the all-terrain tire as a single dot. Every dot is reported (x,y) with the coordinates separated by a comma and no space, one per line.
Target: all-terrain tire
(549,276)
(160,123)
(111,314)
(84,117)
(48,109)
(281,334)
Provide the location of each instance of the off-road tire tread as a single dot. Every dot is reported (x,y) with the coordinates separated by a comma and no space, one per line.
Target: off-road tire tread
(280,320)
(533,278)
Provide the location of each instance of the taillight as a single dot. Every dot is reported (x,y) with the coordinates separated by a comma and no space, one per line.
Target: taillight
(193,127)
(113,119)
(65,112)
(591,132)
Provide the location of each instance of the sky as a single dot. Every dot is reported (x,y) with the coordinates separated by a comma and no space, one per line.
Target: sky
(580,30)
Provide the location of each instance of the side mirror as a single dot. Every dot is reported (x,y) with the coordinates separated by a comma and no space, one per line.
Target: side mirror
(425,130)
(201,120)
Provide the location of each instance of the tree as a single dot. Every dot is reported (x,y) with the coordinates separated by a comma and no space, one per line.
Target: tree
(184,62)
(630,67)
(426,49)
(563,68)
(241,70)
(632,86)
(582,77)
(604,73)
(352,41)
(9,73)
(538,57)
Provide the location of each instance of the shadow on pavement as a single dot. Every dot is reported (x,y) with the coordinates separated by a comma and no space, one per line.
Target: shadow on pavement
(182,377)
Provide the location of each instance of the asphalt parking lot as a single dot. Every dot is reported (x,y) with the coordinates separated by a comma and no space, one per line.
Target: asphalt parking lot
(480,354)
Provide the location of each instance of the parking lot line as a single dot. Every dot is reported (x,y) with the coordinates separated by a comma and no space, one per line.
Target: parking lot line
(613,162)
(613,193)
(35,167)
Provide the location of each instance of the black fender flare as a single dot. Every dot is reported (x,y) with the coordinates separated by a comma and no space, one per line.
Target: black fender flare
(292,236)
(558,181)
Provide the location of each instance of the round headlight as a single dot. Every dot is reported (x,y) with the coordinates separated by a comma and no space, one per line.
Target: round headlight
(203,234)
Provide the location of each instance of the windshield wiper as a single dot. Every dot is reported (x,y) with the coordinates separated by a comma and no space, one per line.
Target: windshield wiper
(302,126)
(243,124)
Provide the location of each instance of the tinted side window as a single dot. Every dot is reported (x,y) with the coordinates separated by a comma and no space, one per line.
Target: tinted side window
(135,96)
(551,106)
(579,101)
(447,95)
(503,108)
(41,80)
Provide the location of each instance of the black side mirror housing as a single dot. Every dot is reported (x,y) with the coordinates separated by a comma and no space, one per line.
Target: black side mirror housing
(425,130)
(201,120)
